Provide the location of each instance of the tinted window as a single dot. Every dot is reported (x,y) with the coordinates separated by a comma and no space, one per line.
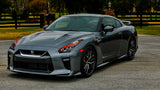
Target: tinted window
(118,24)
(62,23)
(75,23)
(108,22)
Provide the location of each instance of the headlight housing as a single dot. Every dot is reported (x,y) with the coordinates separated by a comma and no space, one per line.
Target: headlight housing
(69,47)
(14,44)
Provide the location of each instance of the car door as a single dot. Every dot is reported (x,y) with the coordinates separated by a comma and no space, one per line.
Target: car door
(111,40)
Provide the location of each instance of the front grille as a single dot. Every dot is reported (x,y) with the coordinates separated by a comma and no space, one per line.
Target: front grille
(33,52)
(42,63)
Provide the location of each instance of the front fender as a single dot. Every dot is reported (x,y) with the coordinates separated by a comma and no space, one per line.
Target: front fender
(90,42)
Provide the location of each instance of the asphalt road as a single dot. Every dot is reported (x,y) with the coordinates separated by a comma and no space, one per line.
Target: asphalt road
(141,73)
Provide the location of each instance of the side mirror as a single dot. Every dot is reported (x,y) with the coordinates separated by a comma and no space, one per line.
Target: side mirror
(127,22)
(108,28)
(45,27)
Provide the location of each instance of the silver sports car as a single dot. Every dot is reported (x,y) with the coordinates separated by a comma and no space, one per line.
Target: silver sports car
(73,45)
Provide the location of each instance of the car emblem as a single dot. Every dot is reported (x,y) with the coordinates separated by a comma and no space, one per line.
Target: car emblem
(32,52)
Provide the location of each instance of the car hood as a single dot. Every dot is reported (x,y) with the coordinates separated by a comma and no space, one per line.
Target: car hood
(53,38)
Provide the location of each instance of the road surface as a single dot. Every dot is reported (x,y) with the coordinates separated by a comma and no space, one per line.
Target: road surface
(141,73)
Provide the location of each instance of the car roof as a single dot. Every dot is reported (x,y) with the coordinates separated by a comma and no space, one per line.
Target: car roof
(93,15)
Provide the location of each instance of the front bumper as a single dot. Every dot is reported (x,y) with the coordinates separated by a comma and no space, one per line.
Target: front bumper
(55,63)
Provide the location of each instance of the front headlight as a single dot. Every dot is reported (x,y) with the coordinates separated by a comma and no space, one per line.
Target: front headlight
(69,47)
(14,44)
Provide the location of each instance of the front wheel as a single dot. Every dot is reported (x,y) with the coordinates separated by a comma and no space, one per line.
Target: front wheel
(131,49)
(88,61)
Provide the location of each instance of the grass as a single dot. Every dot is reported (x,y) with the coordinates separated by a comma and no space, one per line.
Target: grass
(11,33)
(150,30)
(8,21)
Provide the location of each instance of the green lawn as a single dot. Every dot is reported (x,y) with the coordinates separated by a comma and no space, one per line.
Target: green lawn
(11,33)
(150,30)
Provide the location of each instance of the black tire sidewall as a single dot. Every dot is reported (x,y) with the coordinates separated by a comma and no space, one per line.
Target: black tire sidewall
(128,56)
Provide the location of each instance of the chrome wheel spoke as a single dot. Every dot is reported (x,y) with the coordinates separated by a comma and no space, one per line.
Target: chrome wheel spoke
(130,52)
(90,58)
(89,55)
(91,62)
(86,68)
(132,47)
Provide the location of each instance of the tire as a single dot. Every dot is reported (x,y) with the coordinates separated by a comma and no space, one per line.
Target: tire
(88,61)
(131,49)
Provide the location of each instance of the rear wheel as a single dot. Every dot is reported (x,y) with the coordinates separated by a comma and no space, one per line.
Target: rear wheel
(131,49)
(88,61)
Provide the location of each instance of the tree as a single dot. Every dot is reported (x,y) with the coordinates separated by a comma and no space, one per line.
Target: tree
(155,4)
(37,6)
(90,6)
(95,6)
(78,6)
(74,6)
(142,6)
(4,4)
(58,5)
(122,6)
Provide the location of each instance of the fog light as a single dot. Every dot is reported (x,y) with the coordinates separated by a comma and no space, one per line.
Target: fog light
(66,59)
(66,62)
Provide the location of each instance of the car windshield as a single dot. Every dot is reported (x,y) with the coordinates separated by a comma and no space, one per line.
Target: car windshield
(75,23)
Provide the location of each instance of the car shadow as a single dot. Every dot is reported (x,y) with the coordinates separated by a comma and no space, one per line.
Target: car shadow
(116,62)
(45,78)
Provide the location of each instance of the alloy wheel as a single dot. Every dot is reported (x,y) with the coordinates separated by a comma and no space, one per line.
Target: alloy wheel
(88,61)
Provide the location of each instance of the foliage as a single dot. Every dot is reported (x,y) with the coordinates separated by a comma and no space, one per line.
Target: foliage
(58,5)
(155,4)
(37,6)
(78,6)
(94,6)
(97,6)
(122,6)
(74,6)
(4,4)
(142,5)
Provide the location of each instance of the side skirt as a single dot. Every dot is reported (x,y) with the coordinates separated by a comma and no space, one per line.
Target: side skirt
(123,56)
(103,64)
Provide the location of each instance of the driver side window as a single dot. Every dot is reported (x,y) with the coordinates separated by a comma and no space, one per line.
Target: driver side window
(107,21)
(118,24)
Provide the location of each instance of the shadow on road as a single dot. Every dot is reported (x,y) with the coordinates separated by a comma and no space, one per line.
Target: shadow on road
(116,62)
(45,78)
